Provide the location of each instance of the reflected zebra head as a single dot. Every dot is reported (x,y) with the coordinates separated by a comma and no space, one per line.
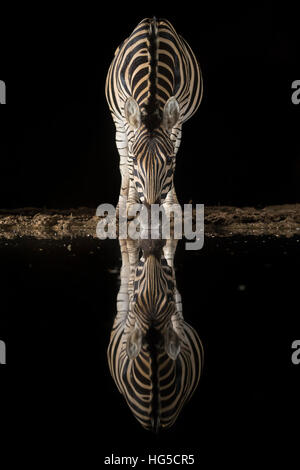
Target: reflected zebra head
(152,149)
(153,307)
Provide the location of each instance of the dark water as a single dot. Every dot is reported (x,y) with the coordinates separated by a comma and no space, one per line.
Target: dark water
(57,308)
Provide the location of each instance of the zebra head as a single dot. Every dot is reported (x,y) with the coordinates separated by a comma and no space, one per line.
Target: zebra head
(168,341)
(153,308)
(152,148)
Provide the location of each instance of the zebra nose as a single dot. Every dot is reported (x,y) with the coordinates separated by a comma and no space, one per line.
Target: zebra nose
(148,204)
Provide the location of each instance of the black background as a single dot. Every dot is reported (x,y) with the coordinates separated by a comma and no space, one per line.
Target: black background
(57,151)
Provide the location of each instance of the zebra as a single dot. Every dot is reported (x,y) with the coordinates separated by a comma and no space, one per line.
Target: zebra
(154,85)
(154,356)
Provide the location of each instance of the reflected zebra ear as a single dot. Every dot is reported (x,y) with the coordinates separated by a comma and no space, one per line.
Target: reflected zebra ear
(134,343)
(172,343)
(171,113)
(132,113)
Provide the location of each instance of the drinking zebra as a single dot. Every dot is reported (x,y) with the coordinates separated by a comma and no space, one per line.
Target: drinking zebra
(154,85)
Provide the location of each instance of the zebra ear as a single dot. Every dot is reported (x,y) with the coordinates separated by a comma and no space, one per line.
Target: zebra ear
(134,343)
(132,113)
(172,343)
(171,113)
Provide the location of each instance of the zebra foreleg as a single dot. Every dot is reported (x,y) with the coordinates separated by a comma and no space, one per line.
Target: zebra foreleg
(132,199)
(122,146)
(133,257)
(123,296)
(130,257)
(169,250)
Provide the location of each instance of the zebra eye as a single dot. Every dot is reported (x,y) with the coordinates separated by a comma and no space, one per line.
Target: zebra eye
(134,162)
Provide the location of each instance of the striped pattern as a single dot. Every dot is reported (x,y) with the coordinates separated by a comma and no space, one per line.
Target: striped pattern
(151,66)
(153,170)
(155,385)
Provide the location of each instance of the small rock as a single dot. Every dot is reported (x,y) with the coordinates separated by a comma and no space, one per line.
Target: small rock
(242,287)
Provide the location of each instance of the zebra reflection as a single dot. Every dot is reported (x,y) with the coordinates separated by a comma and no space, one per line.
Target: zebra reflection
(154,356)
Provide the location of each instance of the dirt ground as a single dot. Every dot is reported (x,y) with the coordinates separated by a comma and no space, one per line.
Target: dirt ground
(220,221)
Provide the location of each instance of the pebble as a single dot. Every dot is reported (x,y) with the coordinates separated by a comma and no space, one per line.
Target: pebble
(242,287)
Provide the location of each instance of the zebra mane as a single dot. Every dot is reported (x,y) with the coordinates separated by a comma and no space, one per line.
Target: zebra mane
(152,117)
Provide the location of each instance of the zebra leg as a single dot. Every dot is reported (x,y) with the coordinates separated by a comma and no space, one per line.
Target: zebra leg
(130,257)
(133,258)
(176,137)
(122,146)
(171,197)
(123,296)
(169,250)
(121,316)
(133,197)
